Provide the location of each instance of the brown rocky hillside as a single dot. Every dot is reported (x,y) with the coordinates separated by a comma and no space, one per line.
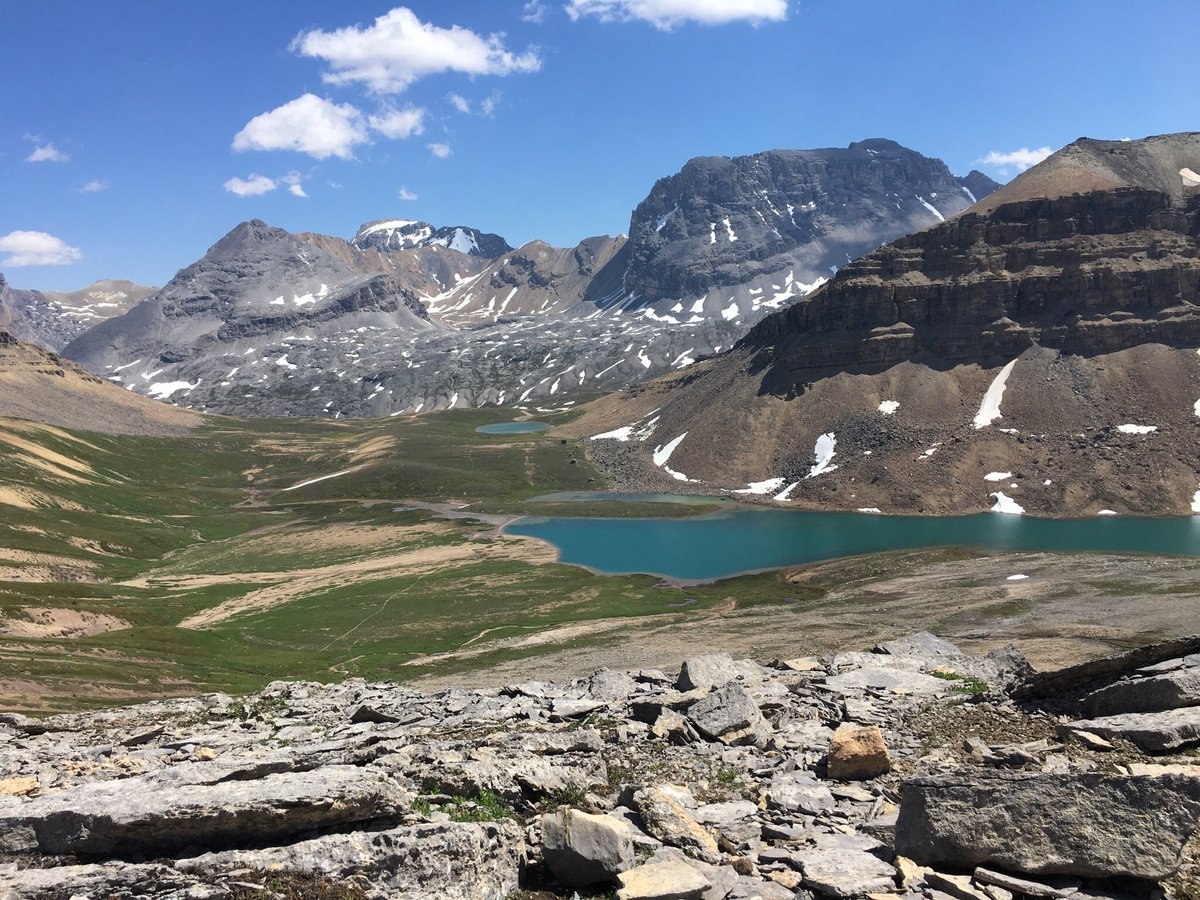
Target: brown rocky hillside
(1047,338)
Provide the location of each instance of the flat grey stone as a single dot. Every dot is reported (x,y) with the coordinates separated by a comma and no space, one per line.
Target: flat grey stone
(1091,826)
(1169,690)
(715,669)
(434,861)
(841,865)
(145,816)
(672,880)
(796,792)
(883,678)
(1153,732)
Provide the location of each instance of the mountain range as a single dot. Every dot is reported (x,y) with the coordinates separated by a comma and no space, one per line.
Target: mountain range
(1035,353)
(52,319)
(407,317)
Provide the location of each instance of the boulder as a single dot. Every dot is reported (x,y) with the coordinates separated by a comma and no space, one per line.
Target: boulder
(1092,826)
(715,669)
(924,645)
(1152,732)
(149,816)
(671,880)
(857,753)
(666,819)
(844,865)
(729,715)
(609,684)
(1169,690)
(583,849)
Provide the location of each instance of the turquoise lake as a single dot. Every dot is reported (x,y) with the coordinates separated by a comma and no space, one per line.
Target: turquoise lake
(704,548)
(513,428)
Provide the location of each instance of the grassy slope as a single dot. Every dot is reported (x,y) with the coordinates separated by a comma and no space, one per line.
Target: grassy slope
(166,513)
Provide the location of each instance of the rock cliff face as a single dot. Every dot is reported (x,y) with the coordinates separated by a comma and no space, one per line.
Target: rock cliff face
(722,221)
(1031,338)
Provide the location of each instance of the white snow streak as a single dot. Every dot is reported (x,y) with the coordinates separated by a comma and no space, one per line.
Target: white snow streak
(933,209)
(1006,504)
(989,410)
(888,407)
(315,480)
(762,487)
(164,389)
(663,453)
(823,455)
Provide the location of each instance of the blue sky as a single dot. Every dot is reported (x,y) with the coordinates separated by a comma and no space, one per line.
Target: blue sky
(137,133)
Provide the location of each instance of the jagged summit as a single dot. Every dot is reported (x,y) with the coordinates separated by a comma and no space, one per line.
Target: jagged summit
(724,221)
(407,234)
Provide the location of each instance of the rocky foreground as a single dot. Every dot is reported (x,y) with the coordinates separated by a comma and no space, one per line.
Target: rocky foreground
(913,770)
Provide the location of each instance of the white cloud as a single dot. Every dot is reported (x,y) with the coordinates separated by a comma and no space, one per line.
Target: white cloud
(307,124)
(293,180)
(47,153)
(534,11)
(36,248)
(296,190)
(441,151)
(460,103)
(399,49)
(488,105)
(405,194)
(399,123)
(93,187)
(252,186)
(1016,159)
(666,14)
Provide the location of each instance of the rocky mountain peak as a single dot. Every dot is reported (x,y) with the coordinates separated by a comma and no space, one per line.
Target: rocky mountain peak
(723,221)
(248,234)
(386,235)
(1167,164)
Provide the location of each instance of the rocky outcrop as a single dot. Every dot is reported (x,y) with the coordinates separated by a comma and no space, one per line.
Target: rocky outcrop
(1083,274)
(558,787)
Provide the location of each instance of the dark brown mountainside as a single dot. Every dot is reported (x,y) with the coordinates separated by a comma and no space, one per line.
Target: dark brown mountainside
(1037,351)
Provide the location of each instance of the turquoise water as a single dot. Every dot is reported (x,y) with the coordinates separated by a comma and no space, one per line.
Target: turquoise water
(703,548)
(513,428)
